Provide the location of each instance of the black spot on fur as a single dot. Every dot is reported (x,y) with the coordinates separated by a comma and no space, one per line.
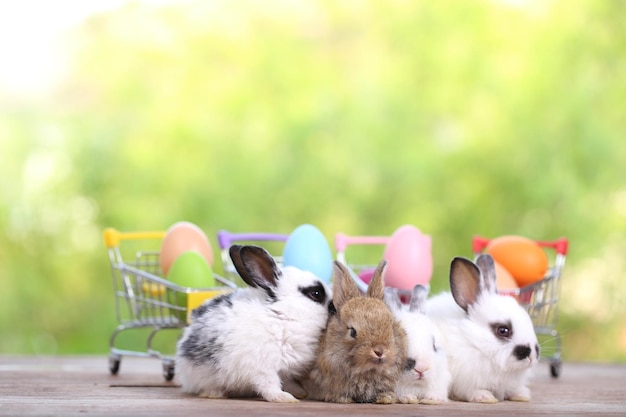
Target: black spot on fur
(199,350)
(409,364)
(522,352)
(224,299)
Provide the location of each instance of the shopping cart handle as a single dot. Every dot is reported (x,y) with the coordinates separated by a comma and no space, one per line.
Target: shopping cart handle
(112,237)
(225,239)
(560,245)
(479,244)
(342,241)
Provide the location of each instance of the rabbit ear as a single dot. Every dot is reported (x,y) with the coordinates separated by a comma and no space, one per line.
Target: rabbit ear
(344,288)
(256,267)
(418,299)
(465,281)
(235,255)
(376,287)
(488,273)
(392,299)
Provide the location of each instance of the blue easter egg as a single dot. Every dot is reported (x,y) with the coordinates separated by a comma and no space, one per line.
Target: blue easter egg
(307,249)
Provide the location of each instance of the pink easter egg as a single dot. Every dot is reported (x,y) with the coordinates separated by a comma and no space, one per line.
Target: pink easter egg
(409,258)
(366,274)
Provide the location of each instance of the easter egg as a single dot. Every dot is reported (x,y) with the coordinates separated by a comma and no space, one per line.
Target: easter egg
(409,258)
(522,257)
(366,275)
(191,270)
(306,248)
(504,279)
(183,237)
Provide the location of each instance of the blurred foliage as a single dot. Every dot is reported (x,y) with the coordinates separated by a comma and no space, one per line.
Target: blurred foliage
(462,118)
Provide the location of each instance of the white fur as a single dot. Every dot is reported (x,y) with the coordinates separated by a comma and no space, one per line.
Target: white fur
(259,345)
(483,366)
(432,386)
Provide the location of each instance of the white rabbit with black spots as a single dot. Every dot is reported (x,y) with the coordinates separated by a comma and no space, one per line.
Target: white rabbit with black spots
(489,338)
(256,340)
(428,379)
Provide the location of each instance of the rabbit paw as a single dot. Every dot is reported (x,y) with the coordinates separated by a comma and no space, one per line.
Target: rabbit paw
(214,394)
(522,395)
(433,400)
(482,396)
(519,399)
(279,397)
(408,399)
(387,398)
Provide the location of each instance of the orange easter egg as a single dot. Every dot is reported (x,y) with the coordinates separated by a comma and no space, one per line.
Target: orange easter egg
(183,237)
(522,257)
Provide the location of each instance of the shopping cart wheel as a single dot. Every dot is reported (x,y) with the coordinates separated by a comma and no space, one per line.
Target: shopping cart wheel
(168,369)
(114,364)
(555,368)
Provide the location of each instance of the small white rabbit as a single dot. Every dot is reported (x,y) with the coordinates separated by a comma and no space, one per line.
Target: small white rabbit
(256,340)
(428,379)
(489,338)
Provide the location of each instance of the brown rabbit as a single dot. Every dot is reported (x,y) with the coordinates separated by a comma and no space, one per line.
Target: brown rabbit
(363,350)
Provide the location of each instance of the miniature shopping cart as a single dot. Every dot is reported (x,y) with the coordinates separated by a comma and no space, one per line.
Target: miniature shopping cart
(540,299)
(145,300)
(225,239)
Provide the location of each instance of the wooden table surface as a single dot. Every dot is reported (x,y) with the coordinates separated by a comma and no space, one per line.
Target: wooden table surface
(81,386)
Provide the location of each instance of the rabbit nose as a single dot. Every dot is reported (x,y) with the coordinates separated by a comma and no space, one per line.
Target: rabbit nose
(421,371)
(378,352)
(522,352)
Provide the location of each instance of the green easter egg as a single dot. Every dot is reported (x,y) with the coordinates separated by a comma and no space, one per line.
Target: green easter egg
(190,269)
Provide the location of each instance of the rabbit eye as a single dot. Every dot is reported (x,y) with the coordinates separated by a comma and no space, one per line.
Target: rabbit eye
(502,331)
(315,293)
(435,349)
(352,332)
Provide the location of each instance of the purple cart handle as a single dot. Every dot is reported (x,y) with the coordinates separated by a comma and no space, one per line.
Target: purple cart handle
(225,238)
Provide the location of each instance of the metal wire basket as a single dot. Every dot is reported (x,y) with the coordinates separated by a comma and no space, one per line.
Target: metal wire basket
(541,299)
(146,300)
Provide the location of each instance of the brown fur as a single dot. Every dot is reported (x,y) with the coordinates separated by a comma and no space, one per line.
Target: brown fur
(347,368)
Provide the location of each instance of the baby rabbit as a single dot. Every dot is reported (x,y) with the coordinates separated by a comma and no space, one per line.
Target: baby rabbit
(428,380)
(363,351)
(489,338)
(256,339)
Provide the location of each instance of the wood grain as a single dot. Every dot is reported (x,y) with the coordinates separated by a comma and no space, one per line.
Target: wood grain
(80,386)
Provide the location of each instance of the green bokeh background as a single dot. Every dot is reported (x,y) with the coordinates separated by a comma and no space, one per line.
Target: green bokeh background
(462,118)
